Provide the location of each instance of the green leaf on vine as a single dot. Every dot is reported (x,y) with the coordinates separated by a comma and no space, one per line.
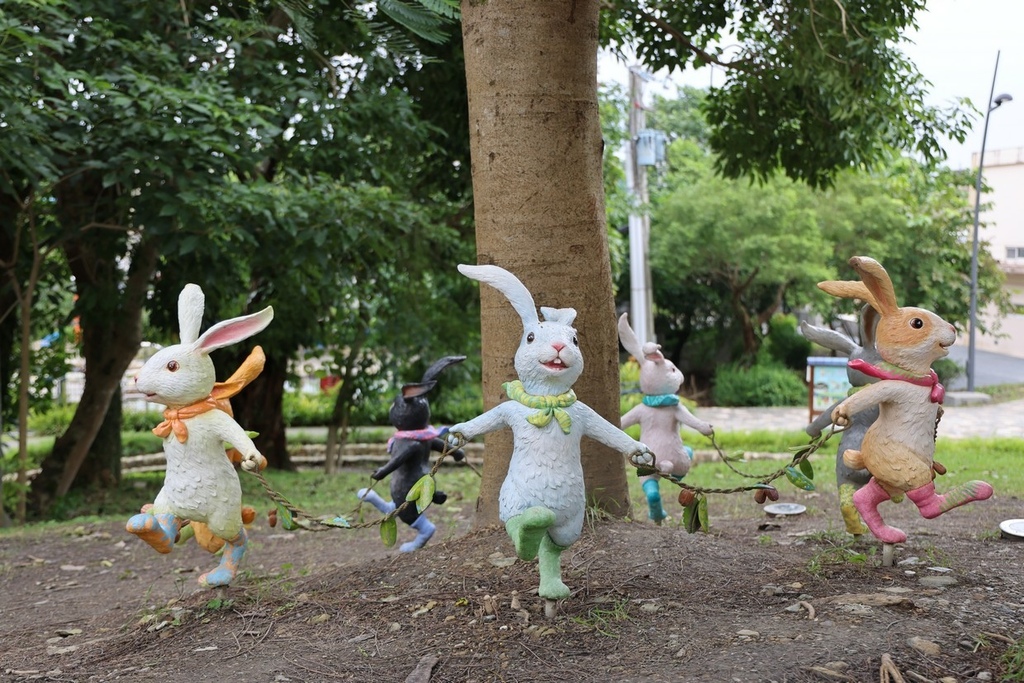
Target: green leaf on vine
(422,492)
(799,480)
(389,531)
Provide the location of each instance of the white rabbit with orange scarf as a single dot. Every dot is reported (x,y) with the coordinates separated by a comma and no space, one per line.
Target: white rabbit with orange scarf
(201,484)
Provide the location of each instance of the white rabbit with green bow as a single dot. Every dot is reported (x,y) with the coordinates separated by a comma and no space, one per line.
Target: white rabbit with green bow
(543,499)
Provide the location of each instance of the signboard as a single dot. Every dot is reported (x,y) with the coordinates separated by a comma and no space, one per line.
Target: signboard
(827,382)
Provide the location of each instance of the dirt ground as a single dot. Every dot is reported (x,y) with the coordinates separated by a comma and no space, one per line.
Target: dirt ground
(758,599)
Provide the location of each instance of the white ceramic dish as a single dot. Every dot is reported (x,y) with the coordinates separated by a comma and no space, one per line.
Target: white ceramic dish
(1012,528)
(786,509)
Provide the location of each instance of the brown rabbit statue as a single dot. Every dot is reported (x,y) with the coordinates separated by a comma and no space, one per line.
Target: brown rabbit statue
(899,447)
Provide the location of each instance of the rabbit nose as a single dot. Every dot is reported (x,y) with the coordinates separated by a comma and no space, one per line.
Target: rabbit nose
(557,346)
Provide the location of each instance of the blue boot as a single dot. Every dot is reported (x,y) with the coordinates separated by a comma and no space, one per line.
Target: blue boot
(424,530)
(653,493)
(234,550)
(371,497)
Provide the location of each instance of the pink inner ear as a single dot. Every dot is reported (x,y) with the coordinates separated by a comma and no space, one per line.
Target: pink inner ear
(654,356)
(235,331)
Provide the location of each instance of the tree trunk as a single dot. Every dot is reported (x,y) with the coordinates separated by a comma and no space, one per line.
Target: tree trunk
(110,313)
(536,148)
(258,408)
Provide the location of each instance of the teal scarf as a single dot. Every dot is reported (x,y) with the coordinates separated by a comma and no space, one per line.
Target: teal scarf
(660,400)
(547,406)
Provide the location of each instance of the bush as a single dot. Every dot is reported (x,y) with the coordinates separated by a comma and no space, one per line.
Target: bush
(140,420)
(948,370)
(764,384)
(53,421)
(785,344)
(307,410)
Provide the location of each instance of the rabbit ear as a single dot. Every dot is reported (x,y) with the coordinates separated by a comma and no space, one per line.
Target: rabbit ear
(234,330)
(563,316)
(847,289)
(868,326)
(877,282)
(830,339)
(439,365)
(652,351)
(628,338)
(191,303)
(506,283)
(418,389)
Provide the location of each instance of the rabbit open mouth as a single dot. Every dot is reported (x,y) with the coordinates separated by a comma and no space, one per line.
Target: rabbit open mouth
(555,364)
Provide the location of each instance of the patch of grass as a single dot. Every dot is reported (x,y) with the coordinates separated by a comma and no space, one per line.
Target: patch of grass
(834,554)
(1013,663)
(1001,393)
(602,619)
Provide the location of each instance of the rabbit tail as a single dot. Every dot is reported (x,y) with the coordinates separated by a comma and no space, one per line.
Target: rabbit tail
(225,572)
(654,509)
(550,565)
(159,530)
(932,504)
(424,530)
(866,500)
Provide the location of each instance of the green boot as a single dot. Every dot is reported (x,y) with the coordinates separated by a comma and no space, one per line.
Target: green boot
(550,565)
(528,528)
(850,515)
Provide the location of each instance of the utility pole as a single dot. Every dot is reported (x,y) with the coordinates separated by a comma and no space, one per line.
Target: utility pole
(640,308)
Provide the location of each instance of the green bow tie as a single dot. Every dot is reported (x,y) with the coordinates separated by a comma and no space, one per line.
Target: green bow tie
(547,406)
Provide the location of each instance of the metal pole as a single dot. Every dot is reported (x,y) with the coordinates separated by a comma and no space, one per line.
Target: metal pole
(641,316)
(974,244)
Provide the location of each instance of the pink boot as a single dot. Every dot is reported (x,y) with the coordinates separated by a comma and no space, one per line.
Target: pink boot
(932,504)
(866,500)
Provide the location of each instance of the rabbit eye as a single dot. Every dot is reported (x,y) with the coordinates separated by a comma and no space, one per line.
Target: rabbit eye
(916,323)
(172,365)
(575,341)
(529,338)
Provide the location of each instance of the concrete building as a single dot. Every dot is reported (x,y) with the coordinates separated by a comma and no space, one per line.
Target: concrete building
(1003,229)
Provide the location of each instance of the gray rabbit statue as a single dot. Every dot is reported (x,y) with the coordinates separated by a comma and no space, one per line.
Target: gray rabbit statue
(542,500)
(848,479)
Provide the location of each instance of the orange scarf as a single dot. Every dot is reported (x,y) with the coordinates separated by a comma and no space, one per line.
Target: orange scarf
(174,418)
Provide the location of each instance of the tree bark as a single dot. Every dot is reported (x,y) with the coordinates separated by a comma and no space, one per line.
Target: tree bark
(536,149)
(258,407)
(110,313)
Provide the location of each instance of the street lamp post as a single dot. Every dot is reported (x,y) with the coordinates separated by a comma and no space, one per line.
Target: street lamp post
(993,104)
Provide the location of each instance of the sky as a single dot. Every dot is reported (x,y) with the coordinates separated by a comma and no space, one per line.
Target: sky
(955,49)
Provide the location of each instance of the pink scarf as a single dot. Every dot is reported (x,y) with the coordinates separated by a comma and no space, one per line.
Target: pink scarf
(414,435)
(938,392)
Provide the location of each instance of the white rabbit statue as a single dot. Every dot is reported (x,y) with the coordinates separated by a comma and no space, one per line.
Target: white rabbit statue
(201,484)
(898,448)
(660,415)
(542,499)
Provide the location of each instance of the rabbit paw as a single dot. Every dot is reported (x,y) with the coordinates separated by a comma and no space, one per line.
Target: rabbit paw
(254,462)
(454,439)
(840,417)
(642,457)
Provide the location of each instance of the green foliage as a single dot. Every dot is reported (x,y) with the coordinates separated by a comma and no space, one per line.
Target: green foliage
(763,384)
(140,420)
(53,421)
(785,344)
(810,89)
(302,409)
(947,369)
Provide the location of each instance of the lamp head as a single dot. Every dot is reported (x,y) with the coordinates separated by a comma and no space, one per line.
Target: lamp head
(1000,99)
